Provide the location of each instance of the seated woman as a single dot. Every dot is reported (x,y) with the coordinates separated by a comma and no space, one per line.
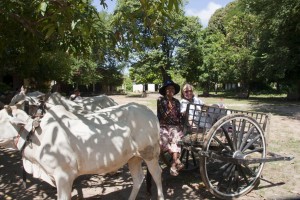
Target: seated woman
(195,117)
(168,113)
(188,96)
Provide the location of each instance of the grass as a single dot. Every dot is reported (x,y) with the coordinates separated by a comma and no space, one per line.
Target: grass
(134,95)
(273,97)
(288,146)
(152,104)
(257,103)
(225,101)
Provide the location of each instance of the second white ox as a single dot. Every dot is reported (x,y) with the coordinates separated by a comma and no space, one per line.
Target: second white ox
(86,105)
(66,146)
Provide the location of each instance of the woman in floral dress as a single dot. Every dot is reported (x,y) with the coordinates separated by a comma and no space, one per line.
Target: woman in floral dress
(169,116)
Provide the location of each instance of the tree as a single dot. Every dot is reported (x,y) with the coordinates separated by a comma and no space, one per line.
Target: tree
(242,39)
(150,36)
(214,67)
(40,38)
(32,31)
(231,43)
(189,55)
(278,48)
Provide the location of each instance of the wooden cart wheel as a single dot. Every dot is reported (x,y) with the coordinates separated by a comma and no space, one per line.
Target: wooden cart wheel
(233,136)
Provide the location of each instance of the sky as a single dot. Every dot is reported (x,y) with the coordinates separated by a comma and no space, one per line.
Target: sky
(204,9)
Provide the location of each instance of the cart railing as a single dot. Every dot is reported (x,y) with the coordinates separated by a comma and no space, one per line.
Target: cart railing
(231,146)
(200,118)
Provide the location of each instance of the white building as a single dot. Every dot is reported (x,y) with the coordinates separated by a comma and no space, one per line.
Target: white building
(143,87)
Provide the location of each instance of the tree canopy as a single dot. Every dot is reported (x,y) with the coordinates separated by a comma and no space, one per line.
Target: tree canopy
(250,42)
(65,41)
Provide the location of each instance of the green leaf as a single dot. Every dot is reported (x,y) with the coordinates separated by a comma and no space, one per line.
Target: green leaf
(73,24)
(43,8)
(170,5)
(50,32)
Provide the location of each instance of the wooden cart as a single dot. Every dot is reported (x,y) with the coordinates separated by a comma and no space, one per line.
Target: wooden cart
(231,145)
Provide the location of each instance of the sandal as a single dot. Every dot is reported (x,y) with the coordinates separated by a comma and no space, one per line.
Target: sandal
(173,172)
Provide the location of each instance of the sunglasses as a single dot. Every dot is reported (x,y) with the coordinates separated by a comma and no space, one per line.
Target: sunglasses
(187,91)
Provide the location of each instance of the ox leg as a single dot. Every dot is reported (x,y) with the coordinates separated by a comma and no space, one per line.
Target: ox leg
(136,171)
(155,171)
(64,182)
(148,182)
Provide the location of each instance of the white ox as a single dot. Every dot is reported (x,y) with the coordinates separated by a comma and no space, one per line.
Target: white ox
(86,105)
(66,146)
(33,99)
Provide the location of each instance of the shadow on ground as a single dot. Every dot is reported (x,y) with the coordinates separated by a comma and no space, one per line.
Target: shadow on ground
(187,185)
(107,187)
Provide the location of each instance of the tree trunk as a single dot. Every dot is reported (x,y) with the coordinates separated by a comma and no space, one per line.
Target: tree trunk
(165,74)
(294,92)
(206,89)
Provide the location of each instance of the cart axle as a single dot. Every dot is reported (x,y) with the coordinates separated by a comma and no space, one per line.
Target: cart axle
(242,159)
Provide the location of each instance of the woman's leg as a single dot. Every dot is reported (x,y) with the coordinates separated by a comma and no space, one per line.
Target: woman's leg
(173,169)
(174,157)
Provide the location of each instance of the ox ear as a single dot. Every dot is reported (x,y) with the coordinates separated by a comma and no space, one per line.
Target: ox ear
(8,109)
(13,120)
(23,90)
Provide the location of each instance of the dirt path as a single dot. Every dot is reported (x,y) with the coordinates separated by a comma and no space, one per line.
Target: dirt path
(281,180)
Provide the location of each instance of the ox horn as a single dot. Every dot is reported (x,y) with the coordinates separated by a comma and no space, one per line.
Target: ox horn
(20,104)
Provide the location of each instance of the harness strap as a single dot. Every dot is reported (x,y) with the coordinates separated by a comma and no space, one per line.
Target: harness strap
(24,135)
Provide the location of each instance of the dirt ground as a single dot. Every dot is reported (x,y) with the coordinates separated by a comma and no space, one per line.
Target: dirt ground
(281,180)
